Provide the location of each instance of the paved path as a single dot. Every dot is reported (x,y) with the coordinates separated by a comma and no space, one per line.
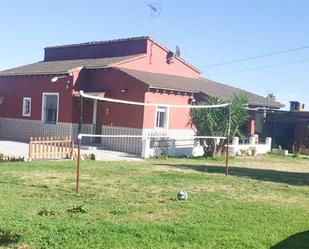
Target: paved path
(12,148)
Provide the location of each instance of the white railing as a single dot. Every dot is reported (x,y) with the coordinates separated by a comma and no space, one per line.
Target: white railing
(253,145)
(188,147)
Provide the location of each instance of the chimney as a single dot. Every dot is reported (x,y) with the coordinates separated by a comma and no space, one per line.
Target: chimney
(296,106)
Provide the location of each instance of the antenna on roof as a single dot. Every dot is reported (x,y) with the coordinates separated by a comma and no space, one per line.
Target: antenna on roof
(177,52)
(155,13)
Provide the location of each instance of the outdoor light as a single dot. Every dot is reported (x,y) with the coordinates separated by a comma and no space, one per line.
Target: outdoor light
(56,78)
(192,100)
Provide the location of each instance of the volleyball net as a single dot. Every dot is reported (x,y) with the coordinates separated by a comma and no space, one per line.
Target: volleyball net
(139,128)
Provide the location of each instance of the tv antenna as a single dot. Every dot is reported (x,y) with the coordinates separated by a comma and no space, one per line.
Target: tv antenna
(155,13)
(177,52)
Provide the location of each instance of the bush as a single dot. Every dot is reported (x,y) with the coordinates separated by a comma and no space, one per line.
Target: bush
(79,209)
(47,212)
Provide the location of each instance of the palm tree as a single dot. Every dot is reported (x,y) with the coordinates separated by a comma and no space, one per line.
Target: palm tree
(214,122)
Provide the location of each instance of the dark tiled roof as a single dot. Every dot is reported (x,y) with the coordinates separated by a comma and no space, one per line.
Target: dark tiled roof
(208,87)
(101,42)
(62,67)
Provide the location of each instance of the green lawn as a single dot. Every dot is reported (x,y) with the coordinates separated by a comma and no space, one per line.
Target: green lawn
(262,204)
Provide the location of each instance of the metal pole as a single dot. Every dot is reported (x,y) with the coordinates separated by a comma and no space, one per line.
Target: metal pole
(78,165)
(81,106)
(79,142)
(228,140)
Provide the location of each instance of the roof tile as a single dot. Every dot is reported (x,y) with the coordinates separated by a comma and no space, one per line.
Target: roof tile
(62,67)
(196,85)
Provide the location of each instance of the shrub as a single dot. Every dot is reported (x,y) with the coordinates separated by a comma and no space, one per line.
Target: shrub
(47,212)
(79,209)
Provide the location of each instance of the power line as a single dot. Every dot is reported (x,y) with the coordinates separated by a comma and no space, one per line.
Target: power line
(257,57)
(261,68)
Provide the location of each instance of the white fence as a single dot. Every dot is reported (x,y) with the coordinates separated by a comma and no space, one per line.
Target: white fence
(253,144)
(187,147)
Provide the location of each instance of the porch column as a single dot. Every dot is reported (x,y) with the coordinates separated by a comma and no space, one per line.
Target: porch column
(251,123)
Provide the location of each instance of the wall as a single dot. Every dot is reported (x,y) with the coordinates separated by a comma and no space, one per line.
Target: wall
(302,133)
(287,128)
(112,81)
(159,65)
(178,117)
(15,88)
(97,50)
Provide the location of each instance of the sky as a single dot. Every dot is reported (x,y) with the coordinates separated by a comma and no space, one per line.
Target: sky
(207,32)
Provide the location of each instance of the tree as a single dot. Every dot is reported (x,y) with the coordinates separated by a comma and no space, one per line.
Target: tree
(214,122)
(271,96)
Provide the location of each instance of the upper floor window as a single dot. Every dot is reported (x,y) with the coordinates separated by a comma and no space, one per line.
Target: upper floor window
(26,107)
(50,108)
(161,117)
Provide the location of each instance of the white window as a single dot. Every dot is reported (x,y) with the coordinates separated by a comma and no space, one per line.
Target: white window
(26,107)
(161,117)
(50,108)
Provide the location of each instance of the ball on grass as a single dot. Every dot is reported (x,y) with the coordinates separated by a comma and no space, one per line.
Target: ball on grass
(182,196)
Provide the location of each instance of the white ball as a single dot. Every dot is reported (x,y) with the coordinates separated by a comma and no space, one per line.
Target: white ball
(182,196)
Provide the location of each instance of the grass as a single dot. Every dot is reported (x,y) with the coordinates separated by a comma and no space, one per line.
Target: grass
(262,204)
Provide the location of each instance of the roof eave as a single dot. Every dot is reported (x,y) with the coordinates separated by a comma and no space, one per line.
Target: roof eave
(34,74)
(171,89)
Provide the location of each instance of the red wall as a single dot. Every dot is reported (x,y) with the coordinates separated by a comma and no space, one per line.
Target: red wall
(159,65)
(98,50)
(15,88)
(112,81)
(178,117)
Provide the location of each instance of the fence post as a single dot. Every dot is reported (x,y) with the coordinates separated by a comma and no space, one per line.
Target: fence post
(252,140)
(146,147)
(72,148)
(235,141)
(268,143)
(235,145)
(30,149)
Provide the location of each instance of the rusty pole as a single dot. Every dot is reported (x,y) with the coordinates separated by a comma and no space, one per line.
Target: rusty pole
(79,143)
(78,165)
(228,140)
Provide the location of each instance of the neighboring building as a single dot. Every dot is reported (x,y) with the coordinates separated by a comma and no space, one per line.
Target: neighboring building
(288,128)
(34,103)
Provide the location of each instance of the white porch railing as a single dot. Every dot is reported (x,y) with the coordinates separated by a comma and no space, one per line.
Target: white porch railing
(239,148)
(179,147)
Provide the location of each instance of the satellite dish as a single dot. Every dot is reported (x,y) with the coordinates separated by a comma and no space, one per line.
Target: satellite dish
(169,57)
(177,53)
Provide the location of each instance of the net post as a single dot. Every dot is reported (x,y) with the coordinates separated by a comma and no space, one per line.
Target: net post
(78,164)
(228,140)
(81,107)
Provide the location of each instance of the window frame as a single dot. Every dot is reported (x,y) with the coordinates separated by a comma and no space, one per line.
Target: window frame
(23,113)
(43,104)
(166,120)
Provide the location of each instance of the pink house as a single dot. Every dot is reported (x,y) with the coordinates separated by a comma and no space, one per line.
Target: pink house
(41,99)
